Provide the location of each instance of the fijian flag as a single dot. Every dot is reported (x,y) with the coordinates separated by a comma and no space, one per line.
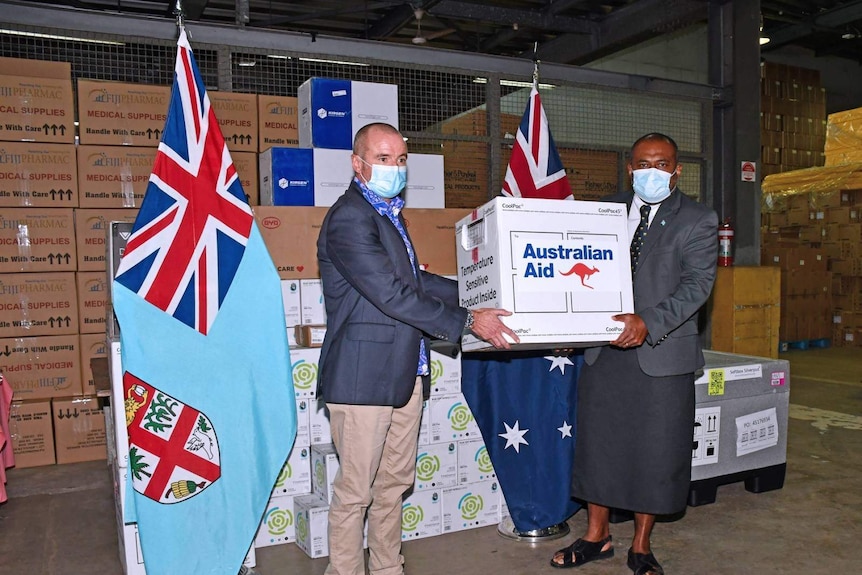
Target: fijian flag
(207,386)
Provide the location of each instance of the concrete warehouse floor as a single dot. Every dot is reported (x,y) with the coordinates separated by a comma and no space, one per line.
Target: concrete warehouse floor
(59,520)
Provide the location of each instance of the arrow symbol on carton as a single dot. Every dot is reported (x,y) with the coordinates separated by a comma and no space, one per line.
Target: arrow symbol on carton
(6,352)
(76,414)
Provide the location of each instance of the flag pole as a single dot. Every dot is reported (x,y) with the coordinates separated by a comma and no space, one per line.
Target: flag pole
(506,528)
(536,66)
(181,17)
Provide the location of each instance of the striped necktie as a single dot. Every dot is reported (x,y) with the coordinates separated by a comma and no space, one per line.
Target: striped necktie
(640,235)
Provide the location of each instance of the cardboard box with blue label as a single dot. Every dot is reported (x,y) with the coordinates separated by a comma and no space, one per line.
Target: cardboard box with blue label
(331,111)
(562,268)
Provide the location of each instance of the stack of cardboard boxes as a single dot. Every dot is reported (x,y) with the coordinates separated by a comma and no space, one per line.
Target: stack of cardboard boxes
(55,416)
(813,231)
(792,118)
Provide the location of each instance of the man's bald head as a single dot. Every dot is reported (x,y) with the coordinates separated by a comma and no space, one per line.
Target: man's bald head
(360,142)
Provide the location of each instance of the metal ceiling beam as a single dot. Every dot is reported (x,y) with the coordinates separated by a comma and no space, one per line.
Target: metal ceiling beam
(623,28)
(508,16)
(130,28)
(194,9)
(391,23)
(834,19)
(508,33)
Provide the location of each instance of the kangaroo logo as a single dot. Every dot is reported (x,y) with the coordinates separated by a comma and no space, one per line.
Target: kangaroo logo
(582,271)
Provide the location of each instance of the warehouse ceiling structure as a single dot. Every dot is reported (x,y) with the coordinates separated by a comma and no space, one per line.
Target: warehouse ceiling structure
(566,31)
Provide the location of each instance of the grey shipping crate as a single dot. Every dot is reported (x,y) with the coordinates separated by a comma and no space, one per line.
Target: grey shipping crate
(740,431)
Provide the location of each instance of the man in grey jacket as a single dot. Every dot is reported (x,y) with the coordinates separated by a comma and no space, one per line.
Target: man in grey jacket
(374,361)
(636,396)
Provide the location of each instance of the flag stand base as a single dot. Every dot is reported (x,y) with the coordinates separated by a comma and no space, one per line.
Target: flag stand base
(506,529)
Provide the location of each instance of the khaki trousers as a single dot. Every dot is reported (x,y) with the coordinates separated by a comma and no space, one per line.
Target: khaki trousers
(377,455)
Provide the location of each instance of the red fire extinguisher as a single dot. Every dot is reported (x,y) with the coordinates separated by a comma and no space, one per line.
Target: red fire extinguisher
(725,243)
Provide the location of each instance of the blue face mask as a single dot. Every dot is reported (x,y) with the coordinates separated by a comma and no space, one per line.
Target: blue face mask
(651,184)
(386,181)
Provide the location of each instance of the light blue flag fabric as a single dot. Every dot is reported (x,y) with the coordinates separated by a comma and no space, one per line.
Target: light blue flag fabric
(209,397)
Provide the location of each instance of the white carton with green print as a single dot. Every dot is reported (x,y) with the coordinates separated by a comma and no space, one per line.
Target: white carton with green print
(474,463)
(437,466)
(421,515)
(304,362)
(471,506)
(311,515)
(277,526)
(324,466)
(318,422)
(303,409)
(445,373)
(425,424)
(295,476)
(451,419)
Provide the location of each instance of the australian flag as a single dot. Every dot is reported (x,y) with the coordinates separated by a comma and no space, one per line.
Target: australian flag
(535,169)
(207,386)
(525,402)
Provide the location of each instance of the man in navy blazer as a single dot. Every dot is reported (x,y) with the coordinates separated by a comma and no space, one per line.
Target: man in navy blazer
(636,395)
(374,362)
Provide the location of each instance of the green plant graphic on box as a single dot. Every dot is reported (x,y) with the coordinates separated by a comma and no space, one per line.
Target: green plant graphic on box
(304,375)
(483,460)
(470,506)
(427,466)
(460,416)
(320,474)
(411,517)
(301,527)
(285,474)
(277,521)
(437,370)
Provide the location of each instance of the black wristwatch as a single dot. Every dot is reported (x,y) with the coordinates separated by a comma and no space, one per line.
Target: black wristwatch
(468,323)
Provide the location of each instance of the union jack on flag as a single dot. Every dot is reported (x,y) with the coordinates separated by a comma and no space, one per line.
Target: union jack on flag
(194,223)
(535,169)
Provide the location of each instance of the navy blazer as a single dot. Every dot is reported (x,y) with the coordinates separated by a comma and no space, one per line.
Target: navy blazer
(674,277)
(377,308)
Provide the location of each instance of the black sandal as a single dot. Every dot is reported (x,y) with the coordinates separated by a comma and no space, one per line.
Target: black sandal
(644,563)
(581,552)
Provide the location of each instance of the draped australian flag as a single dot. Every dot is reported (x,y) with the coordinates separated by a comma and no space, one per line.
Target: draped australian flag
(525,402)
(207,385)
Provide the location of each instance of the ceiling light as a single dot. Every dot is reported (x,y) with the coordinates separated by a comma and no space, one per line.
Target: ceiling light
(764,40)
(514,83)
(278,57)
(246,63)
(342,62)
(848,35)
(56,37)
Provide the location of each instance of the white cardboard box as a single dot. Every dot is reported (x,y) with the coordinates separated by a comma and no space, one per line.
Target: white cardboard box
(324,466)
(451,419)
(318,417)
(425,424)
(304,362)
(303,423)
(303,177)
(445,373)
(311,514)
(422,515)
(561,267)
(331,110)
(313,311)
(474,463)
(471,506)
(295,476)
(436,466)
(292,307)
(277,526)
(121,433)
(425,181)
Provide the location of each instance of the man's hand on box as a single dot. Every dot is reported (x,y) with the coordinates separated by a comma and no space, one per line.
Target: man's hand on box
(634,333)
(487,325)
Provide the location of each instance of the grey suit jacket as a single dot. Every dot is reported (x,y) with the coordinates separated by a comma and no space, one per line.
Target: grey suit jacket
(674,277)
(377,308)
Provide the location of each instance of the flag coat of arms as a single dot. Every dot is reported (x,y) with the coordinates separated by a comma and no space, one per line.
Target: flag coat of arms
(208,394)
(525,403)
